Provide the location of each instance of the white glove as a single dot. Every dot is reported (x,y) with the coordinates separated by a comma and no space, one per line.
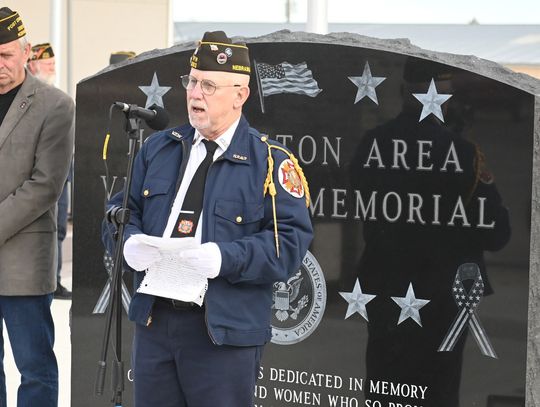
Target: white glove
(139,256)
(205,259)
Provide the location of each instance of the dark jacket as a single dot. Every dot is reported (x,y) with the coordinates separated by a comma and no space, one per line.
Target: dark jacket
(236,216)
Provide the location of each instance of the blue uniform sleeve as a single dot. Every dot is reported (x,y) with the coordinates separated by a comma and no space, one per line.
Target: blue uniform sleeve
(253,259)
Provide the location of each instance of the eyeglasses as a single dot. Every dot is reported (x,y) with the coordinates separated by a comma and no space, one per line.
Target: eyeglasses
(208,87)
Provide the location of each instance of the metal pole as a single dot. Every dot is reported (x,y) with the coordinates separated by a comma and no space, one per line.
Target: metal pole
(170,22)
(55,35)
(317,17)
(69,54)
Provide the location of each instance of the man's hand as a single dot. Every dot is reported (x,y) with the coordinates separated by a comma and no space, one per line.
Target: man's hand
(139,256)
(205,259)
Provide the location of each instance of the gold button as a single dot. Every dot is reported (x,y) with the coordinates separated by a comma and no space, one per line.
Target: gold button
(146,192)
(238,219)
(263,138)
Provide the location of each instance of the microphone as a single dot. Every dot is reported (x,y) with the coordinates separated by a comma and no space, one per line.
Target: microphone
(155,117)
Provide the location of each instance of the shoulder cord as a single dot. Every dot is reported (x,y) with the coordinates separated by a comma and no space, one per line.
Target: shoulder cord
(270,186)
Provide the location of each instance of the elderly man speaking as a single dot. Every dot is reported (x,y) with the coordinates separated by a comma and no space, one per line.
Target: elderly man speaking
(209,190)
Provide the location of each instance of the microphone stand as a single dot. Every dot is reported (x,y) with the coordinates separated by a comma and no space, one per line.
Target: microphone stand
(120,218)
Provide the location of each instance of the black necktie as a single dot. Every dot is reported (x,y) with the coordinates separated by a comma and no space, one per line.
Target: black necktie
(186,224)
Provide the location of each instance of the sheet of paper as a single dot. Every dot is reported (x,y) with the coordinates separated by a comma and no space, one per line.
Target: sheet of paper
(167,244)
(167,278)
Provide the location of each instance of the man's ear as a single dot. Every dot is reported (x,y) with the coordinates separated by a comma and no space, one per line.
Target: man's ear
(27,50)
(241,96)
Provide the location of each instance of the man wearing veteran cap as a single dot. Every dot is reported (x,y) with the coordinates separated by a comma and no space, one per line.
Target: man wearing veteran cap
(42,63)
(36,141)
(119,56)
(211,187)
(43,66)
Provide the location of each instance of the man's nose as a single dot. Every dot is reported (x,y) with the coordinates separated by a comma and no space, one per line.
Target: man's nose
(196,92)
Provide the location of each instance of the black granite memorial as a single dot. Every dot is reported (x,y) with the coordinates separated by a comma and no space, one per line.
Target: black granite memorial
(415,290)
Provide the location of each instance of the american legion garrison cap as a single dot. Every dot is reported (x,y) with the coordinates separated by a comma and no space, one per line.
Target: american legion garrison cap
(11,26)
(216,52)
(120,56)
(42,51)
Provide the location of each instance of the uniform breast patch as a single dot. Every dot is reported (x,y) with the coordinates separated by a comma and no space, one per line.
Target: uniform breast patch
(185,226)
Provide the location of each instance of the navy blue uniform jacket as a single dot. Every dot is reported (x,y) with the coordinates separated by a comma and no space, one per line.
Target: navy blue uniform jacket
(238,302)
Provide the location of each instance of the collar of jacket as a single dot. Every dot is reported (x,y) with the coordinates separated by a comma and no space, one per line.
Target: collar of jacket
(19,106)
(237,152)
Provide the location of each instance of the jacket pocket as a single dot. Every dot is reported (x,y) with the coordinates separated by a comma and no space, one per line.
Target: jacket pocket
(154,198)
(153,187)
(235,219)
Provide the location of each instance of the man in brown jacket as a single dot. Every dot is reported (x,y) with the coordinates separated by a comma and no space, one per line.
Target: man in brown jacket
(36,142)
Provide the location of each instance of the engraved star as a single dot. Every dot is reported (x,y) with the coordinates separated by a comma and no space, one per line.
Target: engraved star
(410,306)
(357,301)
(154,92)
(431,102)
(366,84)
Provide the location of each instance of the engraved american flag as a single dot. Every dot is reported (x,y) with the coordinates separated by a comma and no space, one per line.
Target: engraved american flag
(287,78)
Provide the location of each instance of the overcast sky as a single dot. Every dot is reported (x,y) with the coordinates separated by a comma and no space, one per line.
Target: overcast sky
(363,11)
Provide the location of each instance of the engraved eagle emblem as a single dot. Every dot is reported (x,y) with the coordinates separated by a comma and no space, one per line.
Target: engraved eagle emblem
(284,296)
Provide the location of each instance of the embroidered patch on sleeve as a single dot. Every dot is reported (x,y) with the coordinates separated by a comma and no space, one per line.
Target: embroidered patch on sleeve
(289,179)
